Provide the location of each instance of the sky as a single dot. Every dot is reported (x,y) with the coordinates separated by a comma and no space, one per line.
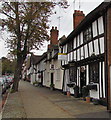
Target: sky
(63,20)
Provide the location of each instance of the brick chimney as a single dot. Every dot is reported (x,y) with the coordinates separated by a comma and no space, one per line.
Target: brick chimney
(78,16)
(54,36)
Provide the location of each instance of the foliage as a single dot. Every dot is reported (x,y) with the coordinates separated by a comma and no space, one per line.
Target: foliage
(27,23)
(8,66)
(52,85)
(35,83)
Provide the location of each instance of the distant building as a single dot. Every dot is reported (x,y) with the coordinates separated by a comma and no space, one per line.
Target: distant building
(41,68)
(53,72)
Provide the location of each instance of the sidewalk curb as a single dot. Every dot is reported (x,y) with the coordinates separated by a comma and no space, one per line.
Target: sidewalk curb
(13,107)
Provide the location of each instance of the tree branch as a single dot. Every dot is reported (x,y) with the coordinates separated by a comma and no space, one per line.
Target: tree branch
(8,15)
(10,7)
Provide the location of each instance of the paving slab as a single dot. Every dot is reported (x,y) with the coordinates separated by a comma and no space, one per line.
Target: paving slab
(14,107)
(41,102)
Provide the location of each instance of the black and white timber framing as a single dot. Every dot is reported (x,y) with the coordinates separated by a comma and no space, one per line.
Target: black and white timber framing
(86,48)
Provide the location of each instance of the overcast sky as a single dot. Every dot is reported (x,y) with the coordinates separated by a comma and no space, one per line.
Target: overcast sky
(64,24)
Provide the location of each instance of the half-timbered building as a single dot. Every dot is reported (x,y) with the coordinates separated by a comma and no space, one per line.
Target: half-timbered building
(86,50)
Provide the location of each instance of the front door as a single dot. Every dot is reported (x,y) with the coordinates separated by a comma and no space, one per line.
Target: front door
(41,78)
(82,78)
(52,81)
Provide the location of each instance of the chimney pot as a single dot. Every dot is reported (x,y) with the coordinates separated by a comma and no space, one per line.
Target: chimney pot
(55,28)
(52,27)
(78,16)
(54,36)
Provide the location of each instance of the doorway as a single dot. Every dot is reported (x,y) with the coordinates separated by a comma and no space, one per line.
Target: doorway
(52,78)
(42,78)
(82,79)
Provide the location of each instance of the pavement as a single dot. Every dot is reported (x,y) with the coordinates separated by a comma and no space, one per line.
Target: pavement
(41,102)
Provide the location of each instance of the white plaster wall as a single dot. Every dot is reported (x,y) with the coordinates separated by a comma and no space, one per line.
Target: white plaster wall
(66,81)
(86,51)
(78,54)
(82,53)
(100,25)
(96,47)
(104,95)
(32,78)
(101,41)
(94,26)
(47,74)
(90,48)
(58,75)
(95,94)
(74,43)
(87,74)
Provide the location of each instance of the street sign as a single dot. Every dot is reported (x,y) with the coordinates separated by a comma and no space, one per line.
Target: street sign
(62,56)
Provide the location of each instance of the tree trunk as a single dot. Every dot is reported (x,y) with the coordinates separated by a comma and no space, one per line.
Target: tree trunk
(17,74)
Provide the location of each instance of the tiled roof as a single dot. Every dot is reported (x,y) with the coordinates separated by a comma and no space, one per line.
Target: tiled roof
(35,58)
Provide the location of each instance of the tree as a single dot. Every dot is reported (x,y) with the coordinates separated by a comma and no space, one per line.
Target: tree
(27,24)
(8,66)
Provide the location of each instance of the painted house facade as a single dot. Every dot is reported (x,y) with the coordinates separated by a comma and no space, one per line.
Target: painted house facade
(40,69)
(32,71)
(86,48)
(53,71)
(26,69)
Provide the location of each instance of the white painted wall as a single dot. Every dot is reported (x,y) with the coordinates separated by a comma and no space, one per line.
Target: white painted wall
(86,51)
(90,48)
(74,43)
(32,78)
(66,81)
(104,83)
(94,26)
(96,47)
(94,93)
(100,25)
(87,74)
(58,74)
(101,41)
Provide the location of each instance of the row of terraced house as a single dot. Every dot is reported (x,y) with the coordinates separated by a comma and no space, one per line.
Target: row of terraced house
(83,59)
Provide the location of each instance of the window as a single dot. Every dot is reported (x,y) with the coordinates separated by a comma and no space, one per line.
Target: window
(87,35)
(72,73)
(70,46)
(94,72)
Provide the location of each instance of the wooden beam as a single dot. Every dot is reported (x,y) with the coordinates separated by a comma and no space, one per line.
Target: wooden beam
(109,57)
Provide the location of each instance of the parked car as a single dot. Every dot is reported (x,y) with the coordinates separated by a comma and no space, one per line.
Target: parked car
(2,85)
(10,79)
(5,83)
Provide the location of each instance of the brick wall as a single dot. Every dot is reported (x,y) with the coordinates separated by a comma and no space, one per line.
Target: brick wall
(54,36)
(78,16)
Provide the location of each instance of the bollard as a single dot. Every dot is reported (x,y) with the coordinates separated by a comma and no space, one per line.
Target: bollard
(88,99)
(68,93)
